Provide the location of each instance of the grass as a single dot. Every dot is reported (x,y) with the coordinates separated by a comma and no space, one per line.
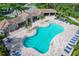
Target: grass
(77,19)
(72,22)
(5,17)
(69,20)
(41,17)
(1,18)
(76,50)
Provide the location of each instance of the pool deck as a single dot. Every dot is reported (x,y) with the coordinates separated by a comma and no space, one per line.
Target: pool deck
(57,45)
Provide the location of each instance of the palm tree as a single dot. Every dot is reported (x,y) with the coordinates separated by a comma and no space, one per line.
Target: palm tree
(4,9)
(18,7)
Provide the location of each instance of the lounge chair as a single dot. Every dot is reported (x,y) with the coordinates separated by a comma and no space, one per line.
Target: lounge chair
(9,46)
(70,44)
(77,31)
(76,35)
(68,47)
(72,41)
(15,53)
(4,40)
(62,55)
(9,40)
(66,21)
(63,20)
(66,50)
(75,38)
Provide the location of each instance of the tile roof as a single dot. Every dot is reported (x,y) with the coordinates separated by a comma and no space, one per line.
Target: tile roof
(34,11)
(24,15)
(47,10)
(4,24)
(20,18)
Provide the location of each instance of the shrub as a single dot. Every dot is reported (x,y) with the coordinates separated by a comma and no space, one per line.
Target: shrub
(76,53)
(3,50)
(76,50)
(72,22)
(2,36)
(41,17)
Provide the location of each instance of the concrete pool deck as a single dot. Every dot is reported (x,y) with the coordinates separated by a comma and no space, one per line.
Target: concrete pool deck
(57,45)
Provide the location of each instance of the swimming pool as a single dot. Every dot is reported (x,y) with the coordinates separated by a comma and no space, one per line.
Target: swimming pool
(41,40)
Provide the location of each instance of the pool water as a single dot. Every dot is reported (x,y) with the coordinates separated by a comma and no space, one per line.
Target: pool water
(41,40)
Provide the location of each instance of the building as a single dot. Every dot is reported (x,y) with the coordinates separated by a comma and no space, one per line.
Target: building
(3,27)
(31,15)
(48,12)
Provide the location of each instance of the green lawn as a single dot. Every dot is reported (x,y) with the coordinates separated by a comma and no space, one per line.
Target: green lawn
(77,19)
(76,50)
(72,22)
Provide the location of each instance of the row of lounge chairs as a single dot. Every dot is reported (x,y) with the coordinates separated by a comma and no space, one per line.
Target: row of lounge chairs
(8,43)
(15,53)
(71,44)
(63,20)
(66,21)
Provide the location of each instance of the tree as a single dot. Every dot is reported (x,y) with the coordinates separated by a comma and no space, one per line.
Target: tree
(17,7)
(6,8)
(3,49)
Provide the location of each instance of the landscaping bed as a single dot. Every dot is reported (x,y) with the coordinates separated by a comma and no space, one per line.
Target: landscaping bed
(76,50)
(3,49)
(72,22)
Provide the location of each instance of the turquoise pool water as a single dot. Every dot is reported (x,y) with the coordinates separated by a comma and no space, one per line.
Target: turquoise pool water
(41,40)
